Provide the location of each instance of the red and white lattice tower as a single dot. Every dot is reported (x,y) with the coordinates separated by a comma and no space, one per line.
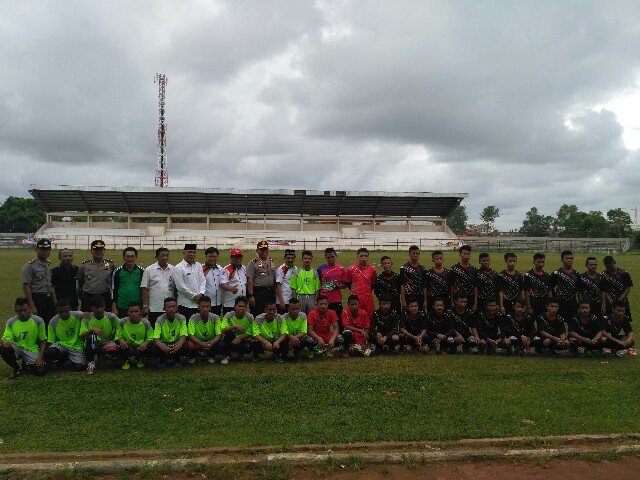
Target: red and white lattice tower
(162,175)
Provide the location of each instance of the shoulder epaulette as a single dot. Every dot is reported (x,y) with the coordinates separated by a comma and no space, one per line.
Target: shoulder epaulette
(86,261)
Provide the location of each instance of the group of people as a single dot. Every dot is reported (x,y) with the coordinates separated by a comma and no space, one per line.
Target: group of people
(76,314)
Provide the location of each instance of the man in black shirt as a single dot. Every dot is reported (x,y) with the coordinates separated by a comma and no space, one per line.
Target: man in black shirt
(63,278)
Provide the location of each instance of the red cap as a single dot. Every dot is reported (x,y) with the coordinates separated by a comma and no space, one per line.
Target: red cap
(235,251)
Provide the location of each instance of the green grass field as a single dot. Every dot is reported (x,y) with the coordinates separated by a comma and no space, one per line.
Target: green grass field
(323,401)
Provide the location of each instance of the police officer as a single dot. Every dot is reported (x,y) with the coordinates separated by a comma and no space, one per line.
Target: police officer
(261,279)
(94,276)
(36,282)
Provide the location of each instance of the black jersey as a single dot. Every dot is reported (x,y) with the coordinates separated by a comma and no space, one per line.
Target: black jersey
(537,284)
(437,283)
(388,285)
(516,328)
(412,278)
(439,325)
(385,324)
(614,283)
(591,287)
(463,279)
(555,327)
(462,322)
(565,284)
(511,284)
(416,325)
(588,329)
(490,327)
(487,282)
(614,328)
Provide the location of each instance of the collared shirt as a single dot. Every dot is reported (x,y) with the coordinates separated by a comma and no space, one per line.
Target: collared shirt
(95,277)
(160,283)
(263,272)
(190,282)
(213,277)
(126,285)
(37,274)
(283,277)
(234,277)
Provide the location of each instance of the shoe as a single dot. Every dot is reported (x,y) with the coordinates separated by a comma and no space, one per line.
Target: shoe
(620,353)
(345,354)
(254,358)
(422,349)
(177,364)
(161,364)
(211,360)
(527,351)
(631,351)
(474,350)
(140,363)
(329,353)
(310,353)
(126,365)
(15,374)
(500,351)
(278,359)
(224,361)
(91,368)
(191,361)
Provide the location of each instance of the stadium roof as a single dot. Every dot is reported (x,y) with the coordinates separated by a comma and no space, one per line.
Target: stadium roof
(211,201)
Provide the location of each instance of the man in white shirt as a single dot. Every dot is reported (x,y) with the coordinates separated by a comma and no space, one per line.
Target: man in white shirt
(213,274)
(234,280)
(190,281)
(283,280)
(157,284)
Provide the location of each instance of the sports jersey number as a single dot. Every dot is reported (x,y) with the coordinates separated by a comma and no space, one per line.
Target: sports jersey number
(172,333)
(24,335)
(70,332)
(133,337)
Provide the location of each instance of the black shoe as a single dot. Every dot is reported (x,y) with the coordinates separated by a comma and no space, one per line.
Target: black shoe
(15,374)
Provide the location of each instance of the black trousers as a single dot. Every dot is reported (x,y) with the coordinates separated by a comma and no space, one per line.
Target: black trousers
(390,343)
(262,296)
(54,355)
(87,302)
(188,312)
(9,356)
(182,352)
(44,305)
(127,353)
(258,348)
(242,348)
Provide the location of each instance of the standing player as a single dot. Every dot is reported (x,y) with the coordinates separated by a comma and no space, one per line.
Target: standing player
(189,280)
(157,284)
(284,273)
(462,278)
(201,328)
(94,276)
(616,284)
(36,282)
(520,328)
(237,330)
(511,284)
(437,281)
(412,279)
(322,326)
(170,334)
(294,325)
(356,324)
(133,336)
(234,281)
(565,285)
(552,329)
(413,327)
(98,333)
(616,323)
(464,324)
(332,277)
(213,275)
(261,279)
(64,337)
(268,335)
(487,281)
(585,330)
(360,278)
(388,284)
(440,331)
(537,286)
(63,278)
(591,287)
(24,338)
(126,282)
(305,284)
(384,331)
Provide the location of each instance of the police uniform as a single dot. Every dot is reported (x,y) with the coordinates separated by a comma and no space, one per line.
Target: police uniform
(37,275)
(263,273)
(94,278)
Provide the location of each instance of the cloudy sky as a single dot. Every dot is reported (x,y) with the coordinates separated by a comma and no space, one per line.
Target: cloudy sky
(518,104)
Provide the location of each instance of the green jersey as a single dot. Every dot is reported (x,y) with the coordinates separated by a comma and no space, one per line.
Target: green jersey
(107,324)
(134,333)
(294,326)
(270,331)
(66,332)
(170,331)
(203,330)
(305,282)
(25,334)
(230,320)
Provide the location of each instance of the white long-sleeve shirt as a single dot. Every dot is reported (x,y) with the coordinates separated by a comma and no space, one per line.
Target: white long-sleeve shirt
(190,282)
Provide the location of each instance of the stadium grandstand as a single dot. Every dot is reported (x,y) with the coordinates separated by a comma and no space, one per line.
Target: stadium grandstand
(150,217)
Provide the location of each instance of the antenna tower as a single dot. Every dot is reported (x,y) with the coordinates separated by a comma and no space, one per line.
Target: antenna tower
(162,175)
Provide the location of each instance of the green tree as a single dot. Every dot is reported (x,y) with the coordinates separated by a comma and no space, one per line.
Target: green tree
(21,215)
(568,220)
(489,215)
(457,219)
(536,224)
(619,223)
(593,224)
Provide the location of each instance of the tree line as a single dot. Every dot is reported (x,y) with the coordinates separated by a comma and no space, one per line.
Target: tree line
(569,221)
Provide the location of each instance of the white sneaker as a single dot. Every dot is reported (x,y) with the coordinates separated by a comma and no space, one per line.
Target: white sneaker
(224,361)
(211,360)
(191,361)
(91,368)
